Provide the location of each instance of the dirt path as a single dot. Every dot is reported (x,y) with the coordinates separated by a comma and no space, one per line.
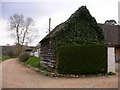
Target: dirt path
(15,75)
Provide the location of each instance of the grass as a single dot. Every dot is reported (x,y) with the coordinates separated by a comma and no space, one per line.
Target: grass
(33,61)
(3,58)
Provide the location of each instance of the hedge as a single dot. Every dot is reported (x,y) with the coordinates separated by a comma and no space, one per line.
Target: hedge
(82,59)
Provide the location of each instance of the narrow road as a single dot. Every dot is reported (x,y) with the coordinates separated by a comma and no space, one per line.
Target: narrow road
(15,75)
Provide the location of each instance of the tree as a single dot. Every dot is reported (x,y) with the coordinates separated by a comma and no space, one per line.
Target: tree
(110,22)
(22,29)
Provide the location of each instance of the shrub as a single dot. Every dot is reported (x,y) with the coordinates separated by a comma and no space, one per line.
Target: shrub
(24,56)
(82,59)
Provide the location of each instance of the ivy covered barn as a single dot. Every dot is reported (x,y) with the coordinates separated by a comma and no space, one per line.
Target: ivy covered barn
(80,29)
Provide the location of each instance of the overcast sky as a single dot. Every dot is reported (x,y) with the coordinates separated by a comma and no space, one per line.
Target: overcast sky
(59,11)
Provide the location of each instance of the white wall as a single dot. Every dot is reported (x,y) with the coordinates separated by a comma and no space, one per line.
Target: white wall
(36,53)
(111,59)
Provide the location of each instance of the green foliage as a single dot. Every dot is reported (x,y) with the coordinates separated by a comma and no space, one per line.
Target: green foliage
(14,57)
(111,73)
(80,28)
(44,69)
(3,58)
(82,59)
(33,61)
(24,56)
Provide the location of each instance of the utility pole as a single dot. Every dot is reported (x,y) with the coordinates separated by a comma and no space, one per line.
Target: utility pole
(49,24)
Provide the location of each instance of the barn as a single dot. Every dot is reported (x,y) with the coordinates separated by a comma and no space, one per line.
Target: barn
(111,40)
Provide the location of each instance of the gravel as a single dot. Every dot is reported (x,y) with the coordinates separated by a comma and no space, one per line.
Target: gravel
(16,75)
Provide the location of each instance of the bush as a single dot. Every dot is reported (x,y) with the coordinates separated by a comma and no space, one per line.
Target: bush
(24,56)
(82,59)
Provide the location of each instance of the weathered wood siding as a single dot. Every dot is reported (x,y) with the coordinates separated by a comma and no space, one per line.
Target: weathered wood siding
(46,57)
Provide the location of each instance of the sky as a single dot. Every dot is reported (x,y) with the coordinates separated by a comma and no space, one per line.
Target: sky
(58,10)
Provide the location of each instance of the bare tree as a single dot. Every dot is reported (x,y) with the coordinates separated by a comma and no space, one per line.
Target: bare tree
(23,30)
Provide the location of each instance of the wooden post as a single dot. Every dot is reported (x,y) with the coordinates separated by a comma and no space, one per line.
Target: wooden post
(49,24)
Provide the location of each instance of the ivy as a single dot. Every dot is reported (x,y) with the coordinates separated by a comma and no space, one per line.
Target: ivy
(81,28)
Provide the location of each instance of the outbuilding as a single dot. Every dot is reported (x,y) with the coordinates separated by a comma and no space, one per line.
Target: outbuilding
(111,40)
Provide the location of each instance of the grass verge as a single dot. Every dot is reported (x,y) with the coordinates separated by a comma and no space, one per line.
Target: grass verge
(33,61)
(3,58)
